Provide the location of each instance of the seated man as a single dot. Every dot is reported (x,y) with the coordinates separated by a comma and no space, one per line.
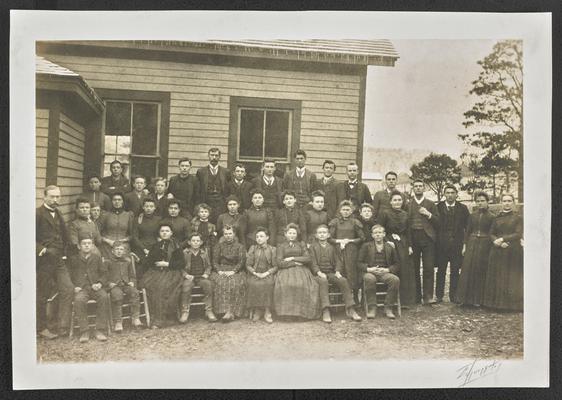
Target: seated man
(327,266)
(378,263)
(89,275)
(122,283)
(196,273)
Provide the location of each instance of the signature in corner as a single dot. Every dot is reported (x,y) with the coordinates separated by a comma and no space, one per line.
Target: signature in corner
(477,369)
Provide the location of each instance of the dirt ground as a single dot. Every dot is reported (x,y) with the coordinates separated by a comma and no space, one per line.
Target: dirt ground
(443,331)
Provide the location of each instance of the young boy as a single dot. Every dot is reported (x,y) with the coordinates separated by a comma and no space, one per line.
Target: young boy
(378,262)
(315,216)
(300,179)
(83,226)
(94,193)
(290,213)
(184,187)
(327,184)
(201,225)
(327,267)
(181,226)
(89,275)
(122,283)
(269,185)
(196,273)
(367,219)
(133,200)
(240,187)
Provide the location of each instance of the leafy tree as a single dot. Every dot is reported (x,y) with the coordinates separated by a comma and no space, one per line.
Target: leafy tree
(437,170)
(496,118)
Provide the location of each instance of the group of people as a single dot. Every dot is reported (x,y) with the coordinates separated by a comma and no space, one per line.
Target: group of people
(268,247)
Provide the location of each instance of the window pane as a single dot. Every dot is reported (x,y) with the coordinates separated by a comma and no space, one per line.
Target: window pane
(118,118)
(251,134)
(277,134)
(123,145)
(110,145)
(145,128)
(145,167)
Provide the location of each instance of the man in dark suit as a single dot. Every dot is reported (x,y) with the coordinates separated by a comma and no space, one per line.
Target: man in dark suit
(184,188)
(300,180)
(212,184)
(51,238)
(381,199)
(240,187)
(450,238)
(424,222)
(353,190)
(134,199)
(327,183)
(117,182)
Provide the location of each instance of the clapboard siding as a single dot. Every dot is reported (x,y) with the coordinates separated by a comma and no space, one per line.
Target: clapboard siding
(70,167)
(41,142)
(200,103)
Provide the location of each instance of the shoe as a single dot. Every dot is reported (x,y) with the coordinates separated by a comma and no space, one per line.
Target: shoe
(63,332)
(228,317)
(388,312)
(210,316)
(326,317)
(136,323)
(184,314)
(47,334)
(256,316)
(100,336)
(267,317)
(371,312)
(84,337)
(351,313)
(439,300)
(154,326)
(118,327)
(427,302)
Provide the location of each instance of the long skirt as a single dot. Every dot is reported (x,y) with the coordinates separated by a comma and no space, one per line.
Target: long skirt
(470,289)
(349,256)
(163,289)
(296,293)
(259,291)
(229,293)
(407,274)
(503,289)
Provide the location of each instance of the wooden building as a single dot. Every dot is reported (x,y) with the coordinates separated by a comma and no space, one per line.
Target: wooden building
(163,100)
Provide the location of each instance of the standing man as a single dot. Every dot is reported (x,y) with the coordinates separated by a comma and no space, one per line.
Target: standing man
(424,222)
(240,187)
(353,190)
(117,182)
(270,185)
(450,238)
(212,183)
(381,199)
(184,187)
(300,180)
(328,184)
(135,198)
(95,195)
(51,238)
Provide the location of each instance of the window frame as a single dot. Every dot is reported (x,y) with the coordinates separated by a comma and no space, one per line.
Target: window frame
(266,104)
(162,99)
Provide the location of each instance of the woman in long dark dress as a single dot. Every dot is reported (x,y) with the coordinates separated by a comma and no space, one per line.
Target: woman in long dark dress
(116,224)
(396,224)
(254,217)
(503,289)
(296,292)
(229,259)
(163,277)
(477,245)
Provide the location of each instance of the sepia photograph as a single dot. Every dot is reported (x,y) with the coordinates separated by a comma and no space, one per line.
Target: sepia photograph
(258,199)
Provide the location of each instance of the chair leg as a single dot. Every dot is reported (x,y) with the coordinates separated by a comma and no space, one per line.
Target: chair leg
(146,310)
(364,300)
(71,326)
(399,306)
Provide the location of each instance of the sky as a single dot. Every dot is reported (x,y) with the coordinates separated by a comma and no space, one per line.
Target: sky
(419,103)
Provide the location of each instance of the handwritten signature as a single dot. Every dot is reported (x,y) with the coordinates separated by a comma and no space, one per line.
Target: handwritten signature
(476,370)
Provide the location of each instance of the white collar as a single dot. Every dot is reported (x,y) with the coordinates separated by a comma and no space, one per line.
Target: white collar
(450,205)
(327,178)
(214,170)
(300,171)
(267,180)
(419,201)
(352,182)
(51,210)
(239,182)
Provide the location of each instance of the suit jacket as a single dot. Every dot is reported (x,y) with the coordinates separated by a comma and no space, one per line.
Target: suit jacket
(460,215)
(241,191)
(133,202)
(85,272)
(330,198)
(203,177)
(381,202)
(290,183)
(363,194)
(120,271)
(431,225)
(206,261)
(50,233)
(269,202)
(335,260)
(366,257)
(110,186)
(186,191)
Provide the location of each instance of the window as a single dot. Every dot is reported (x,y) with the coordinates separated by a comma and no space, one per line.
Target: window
(263,128)
(132,136)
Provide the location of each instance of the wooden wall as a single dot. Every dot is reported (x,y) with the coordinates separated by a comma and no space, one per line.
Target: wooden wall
(41,146)
(200,95)
(70,163)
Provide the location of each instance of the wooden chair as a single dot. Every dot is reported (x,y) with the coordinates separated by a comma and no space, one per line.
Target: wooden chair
(380,293)
(91,318)
(144,311)
(336,298)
